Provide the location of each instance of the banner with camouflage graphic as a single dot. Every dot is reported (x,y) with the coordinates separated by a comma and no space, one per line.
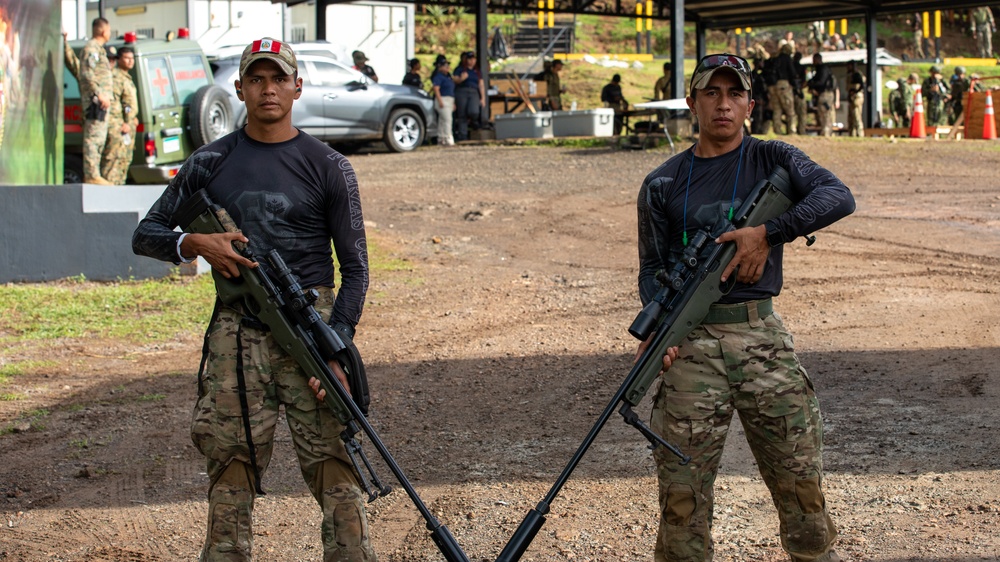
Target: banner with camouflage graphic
(31,84)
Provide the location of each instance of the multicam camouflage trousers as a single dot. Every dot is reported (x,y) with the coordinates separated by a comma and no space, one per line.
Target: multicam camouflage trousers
(117,155)
(271,379)
(785,105)
(855,116)
(749,368)
(801,112)
(95,134)
(826,113)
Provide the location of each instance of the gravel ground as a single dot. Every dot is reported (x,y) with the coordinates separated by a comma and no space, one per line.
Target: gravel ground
(495,345)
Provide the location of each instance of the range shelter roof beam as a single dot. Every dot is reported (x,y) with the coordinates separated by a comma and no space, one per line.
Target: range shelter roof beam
(677,48)
(870,110)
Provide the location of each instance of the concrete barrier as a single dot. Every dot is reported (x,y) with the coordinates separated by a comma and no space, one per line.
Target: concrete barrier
(51,232)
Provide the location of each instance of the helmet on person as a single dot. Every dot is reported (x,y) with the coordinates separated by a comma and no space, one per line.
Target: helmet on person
(935,69)
(960,70)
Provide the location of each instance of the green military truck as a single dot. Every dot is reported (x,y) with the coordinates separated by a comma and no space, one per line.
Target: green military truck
(180,109)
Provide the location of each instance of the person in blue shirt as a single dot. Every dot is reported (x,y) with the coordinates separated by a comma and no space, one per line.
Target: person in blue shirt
(444,101)
(470,96)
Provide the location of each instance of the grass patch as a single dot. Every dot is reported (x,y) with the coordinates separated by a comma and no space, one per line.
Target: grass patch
(152,397)
(11,397)
(11,370)
(133,311)
(138,311)
(382,259)
(33,417)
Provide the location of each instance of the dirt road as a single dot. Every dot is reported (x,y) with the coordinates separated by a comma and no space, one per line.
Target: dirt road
(493,350)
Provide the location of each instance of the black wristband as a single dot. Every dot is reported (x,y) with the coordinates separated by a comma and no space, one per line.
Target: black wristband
(774,236)
(343,330)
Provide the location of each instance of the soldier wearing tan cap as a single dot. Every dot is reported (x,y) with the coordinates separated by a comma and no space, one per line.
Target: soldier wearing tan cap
(288,192)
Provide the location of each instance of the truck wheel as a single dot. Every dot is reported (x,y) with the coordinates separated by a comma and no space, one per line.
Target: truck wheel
(404,131)
(211,115)
(72,168)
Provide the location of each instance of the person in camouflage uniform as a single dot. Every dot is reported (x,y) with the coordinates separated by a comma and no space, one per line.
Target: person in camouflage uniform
(741,359)
(960,84)
(917,23)
(553,91)
(70,59)
(95,95)
(291,193)
(901,101)
(983,28)
(935,94)
(122,121)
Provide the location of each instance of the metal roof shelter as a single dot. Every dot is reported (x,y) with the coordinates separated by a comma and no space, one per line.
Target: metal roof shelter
(705,14)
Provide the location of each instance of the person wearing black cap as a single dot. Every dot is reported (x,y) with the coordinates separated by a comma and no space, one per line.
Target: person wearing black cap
(470,96)
(740,358)
(826,95)
(289,192)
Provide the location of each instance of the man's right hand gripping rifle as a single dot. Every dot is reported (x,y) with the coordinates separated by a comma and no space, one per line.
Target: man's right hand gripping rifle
(219,250)
(271,292)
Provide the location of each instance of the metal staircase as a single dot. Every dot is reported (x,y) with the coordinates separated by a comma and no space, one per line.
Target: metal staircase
(528,40)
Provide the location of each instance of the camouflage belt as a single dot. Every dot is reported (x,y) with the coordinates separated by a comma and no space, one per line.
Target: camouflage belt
(736,313)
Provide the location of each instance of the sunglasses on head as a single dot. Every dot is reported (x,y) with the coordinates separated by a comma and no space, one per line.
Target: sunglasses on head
(709,62)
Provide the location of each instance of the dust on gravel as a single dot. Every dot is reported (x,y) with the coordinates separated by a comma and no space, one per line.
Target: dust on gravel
(495,346)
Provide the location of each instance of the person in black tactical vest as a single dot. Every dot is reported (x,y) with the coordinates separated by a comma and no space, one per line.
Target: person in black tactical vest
(826,96)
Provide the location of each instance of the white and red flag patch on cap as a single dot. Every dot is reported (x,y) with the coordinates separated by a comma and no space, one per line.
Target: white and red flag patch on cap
(266,45)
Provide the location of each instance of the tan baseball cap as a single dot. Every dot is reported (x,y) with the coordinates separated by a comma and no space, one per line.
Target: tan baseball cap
(712,63)
(267,48)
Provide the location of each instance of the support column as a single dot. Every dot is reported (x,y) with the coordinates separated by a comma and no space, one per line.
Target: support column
(677,47)
(699,33)
(483,52)
(870,112)
(321,19)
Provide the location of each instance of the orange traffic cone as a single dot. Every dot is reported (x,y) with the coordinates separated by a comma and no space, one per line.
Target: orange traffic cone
(918,128)
(989,122)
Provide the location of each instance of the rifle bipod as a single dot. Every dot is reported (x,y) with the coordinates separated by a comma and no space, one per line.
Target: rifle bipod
(354,451)
(655,440)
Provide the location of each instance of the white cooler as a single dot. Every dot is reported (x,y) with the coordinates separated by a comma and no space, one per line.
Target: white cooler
(524,125)
(584,123)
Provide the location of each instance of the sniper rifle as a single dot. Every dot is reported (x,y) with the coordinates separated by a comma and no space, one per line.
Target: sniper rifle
(272,293)
(681,304)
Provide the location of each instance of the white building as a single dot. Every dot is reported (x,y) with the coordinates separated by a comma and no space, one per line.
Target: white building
(383,30)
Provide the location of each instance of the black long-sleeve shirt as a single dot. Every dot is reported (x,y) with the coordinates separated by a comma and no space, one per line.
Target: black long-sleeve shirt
(668,207)
(293,196)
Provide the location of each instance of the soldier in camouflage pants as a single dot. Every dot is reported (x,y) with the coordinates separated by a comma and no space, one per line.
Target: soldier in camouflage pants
(273,379)
(746,367)
(290,193)
(121,119)
(95,95)
(740,359)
